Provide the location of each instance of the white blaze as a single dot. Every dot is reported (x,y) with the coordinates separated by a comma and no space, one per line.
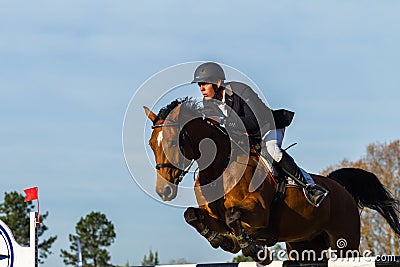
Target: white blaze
(159,138)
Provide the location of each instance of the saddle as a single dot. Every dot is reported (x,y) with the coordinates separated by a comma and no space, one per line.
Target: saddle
(278,175)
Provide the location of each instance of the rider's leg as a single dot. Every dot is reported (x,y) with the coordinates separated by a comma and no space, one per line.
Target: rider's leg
(273,140)
(288,165)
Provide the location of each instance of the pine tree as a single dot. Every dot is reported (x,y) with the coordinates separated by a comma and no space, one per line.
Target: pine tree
(152,259)
(95,233)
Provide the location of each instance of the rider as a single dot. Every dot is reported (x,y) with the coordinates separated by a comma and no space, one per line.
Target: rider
(210,77)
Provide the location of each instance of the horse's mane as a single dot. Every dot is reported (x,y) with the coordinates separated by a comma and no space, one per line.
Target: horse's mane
(190,105)
(164,112)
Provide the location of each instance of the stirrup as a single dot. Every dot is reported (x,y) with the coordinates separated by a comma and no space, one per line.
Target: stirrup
(315,200)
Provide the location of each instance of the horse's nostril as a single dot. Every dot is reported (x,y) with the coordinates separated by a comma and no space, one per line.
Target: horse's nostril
(167,191)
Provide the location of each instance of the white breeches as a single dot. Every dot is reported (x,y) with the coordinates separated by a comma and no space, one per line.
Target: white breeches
(273,141)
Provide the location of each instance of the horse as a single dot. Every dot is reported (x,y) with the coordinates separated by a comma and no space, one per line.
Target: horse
(235,213)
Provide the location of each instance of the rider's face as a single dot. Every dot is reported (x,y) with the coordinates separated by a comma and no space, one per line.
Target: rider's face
(207,89)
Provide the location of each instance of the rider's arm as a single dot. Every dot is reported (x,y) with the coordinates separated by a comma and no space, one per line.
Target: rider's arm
(252,108)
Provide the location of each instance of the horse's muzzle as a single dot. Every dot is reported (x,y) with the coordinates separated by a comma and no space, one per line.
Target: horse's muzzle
(168,192)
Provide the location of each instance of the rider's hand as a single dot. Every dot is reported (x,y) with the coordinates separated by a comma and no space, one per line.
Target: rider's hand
(215,118)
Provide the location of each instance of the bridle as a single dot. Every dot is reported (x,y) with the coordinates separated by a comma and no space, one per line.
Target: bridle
(178,179)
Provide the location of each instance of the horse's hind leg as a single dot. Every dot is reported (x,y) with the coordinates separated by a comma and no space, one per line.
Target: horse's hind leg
(215,231)
(344,233)
(248,246)
(346,245)
(313,249)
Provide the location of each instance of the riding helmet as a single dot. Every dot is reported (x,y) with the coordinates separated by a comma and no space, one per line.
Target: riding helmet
(208,72)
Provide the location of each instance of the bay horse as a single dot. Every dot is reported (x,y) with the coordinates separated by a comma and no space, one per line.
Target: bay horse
(235,213)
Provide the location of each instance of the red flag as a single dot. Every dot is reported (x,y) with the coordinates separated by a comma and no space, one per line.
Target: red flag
(31,194)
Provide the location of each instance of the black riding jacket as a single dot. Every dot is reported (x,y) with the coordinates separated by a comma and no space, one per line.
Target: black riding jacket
(249,107)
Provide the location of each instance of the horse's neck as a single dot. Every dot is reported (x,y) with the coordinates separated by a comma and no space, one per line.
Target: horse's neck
(212,171)
(212,161)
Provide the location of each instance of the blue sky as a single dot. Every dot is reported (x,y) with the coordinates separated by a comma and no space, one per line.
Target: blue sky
(68,70)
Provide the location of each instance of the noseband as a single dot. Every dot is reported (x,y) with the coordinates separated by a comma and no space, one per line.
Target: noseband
(178,179)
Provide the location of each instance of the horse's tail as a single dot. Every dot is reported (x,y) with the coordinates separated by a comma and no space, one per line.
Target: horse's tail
(368,191)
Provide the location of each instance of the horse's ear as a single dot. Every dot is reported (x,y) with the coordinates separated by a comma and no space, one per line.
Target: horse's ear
(150,114)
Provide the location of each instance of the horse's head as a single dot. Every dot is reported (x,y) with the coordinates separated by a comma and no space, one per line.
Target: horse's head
(164,141)
(181,135)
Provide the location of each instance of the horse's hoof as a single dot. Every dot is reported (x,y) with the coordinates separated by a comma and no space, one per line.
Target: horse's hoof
(265,237)
(252,250)
(190,215)
(263,257)
(266,262)
(229,244)
(217,241)
(259,254)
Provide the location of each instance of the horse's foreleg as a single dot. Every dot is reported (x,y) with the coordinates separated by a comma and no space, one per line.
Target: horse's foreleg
(215,231)
(248,246)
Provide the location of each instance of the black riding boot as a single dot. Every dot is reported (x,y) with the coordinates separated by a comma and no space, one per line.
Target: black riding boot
(316,194)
